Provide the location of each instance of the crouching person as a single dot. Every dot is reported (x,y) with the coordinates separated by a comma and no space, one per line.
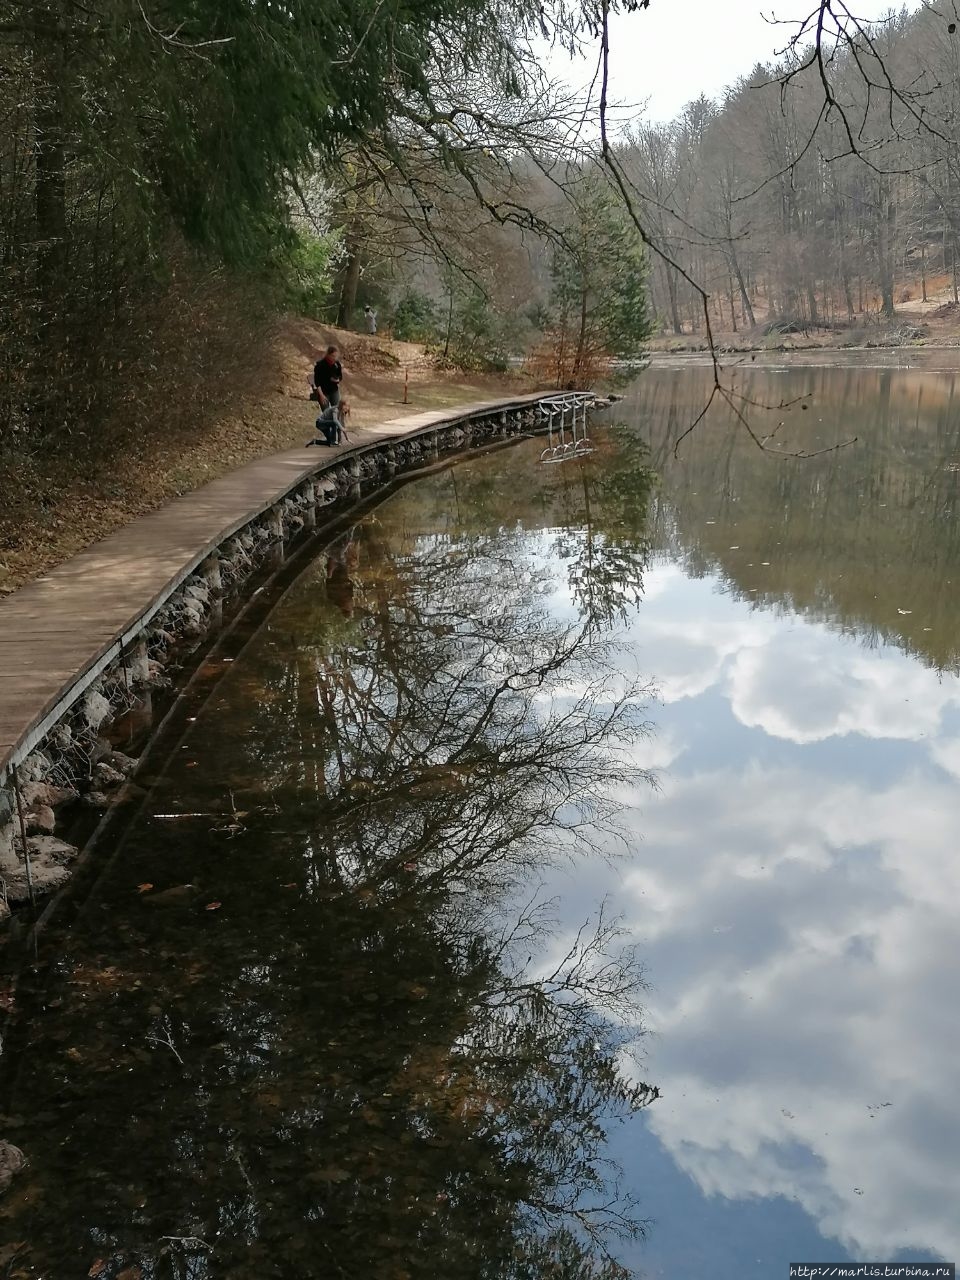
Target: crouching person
(328,424)
(329,430)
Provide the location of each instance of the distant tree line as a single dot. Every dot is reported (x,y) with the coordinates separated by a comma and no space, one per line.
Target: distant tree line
(821,189)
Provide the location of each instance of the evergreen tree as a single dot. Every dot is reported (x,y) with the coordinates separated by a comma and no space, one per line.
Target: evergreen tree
(598,297)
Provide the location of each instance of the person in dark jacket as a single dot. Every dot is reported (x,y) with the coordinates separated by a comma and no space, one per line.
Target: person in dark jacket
(327,377)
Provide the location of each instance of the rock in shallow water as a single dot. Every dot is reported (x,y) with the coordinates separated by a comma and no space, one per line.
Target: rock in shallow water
(122,763)
(40,818)
(12,1161)
(45,793)
(181,895)
(106,776)
(50,860)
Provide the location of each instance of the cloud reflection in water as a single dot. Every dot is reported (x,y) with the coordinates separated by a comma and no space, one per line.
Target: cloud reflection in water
(795,896)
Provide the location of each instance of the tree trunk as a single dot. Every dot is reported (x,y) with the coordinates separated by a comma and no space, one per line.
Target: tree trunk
(886,213)
(672,294)
(812,302)
(50,202)
(449,333)
(581,336)
(730,298)
(746,306)
(844,273)
(351,282)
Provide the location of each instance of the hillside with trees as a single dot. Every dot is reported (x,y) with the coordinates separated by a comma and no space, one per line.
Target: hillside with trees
(822,191)
(177,177)
(173,173)
(187,189)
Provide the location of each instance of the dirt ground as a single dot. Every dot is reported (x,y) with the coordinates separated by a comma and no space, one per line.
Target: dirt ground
(54,504)
(933,321)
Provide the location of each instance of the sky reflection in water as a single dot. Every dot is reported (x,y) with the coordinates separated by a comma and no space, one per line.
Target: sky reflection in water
(794,888)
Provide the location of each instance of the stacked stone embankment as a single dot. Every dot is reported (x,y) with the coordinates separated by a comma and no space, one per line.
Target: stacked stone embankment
(92,640)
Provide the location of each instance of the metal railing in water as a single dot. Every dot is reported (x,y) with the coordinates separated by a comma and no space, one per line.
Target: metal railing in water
(563,412)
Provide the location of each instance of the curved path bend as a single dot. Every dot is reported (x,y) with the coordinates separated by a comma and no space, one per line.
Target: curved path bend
(69,624)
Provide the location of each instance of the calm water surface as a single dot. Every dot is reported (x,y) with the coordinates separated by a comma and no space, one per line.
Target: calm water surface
(383,1025)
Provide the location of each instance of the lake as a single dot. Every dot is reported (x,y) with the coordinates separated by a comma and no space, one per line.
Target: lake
(564,871)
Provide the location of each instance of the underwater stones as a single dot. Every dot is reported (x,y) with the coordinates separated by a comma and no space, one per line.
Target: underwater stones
(50,860)
(40,820)
(192,624)
(8,857)
(46,878)
(12,1160)
(157,678)
(106,776)
(51,849)
(45,793)
(122,763)
(181,895)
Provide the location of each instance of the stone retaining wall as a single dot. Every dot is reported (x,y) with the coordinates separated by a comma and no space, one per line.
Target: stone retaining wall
(75,764)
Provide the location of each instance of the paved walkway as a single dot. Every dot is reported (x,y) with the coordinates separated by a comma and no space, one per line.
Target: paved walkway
(55,630)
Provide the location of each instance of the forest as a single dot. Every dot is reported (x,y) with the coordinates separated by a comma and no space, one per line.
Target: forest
(173,176)
(821,191)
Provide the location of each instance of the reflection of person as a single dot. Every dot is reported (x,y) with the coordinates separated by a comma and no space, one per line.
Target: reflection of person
(342,560)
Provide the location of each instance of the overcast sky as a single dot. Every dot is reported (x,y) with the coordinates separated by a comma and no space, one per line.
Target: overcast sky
(677,49)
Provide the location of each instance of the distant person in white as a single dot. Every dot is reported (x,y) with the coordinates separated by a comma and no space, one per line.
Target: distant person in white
(371,318)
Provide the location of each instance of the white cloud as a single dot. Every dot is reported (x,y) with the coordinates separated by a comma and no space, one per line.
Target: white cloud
(805,684)
(802,935)
(800,926)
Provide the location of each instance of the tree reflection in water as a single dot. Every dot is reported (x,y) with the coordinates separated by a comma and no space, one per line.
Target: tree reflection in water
(387,1068)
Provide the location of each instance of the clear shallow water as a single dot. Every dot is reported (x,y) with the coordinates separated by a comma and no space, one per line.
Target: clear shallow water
(352,1098)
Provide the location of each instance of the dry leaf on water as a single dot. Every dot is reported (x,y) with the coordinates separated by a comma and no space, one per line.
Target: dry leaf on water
(97,1268)
(213,906)
(145,887)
